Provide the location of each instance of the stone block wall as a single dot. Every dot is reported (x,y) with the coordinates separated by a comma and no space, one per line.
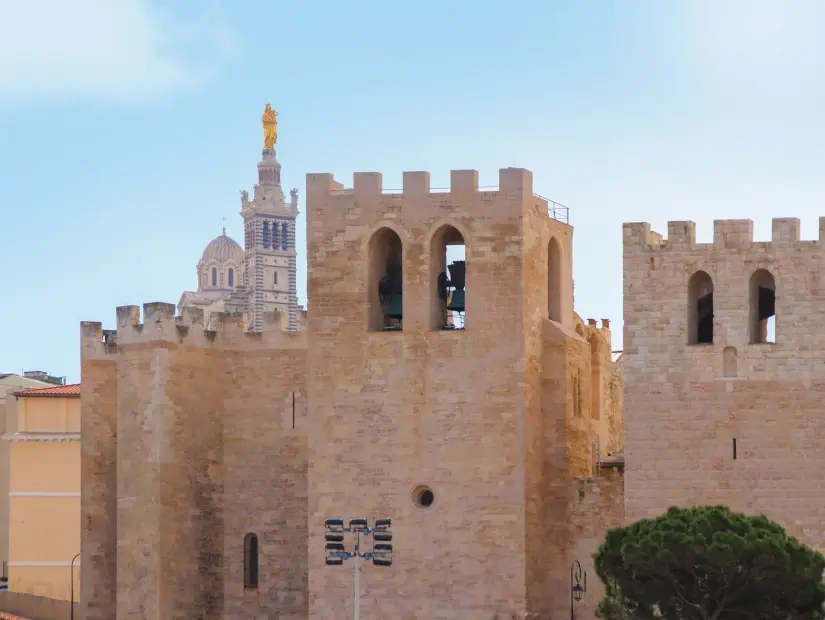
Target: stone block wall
(196,436)
(98,537)
(461,411)
(733,421)
(170,414)
(596,506)
(552,349)
(265,481)
(18,606)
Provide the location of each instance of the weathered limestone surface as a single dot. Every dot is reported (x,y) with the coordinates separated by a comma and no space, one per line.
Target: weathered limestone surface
(207,453)
(687,403)
(197,437)
(496,418)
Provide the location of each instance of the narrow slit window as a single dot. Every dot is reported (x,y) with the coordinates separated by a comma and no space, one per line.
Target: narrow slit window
(250,561)
(554,280)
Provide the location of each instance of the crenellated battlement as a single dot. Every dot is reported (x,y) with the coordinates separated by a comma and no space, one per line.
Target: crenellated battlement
(161,325)
(727,235)
(416,184)
(368,187)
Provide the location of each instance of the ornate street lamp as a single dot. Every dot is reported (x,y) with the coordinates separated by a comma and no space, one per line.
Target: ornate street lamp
(578,585)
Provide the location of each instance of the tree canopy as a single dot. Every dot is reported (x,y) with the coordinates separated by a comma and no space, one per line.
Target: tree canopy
(708,563)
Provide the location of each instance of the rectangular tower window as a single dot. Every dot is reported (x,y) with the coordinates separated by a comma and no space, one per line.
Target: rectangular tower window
(734,448)
(275,278)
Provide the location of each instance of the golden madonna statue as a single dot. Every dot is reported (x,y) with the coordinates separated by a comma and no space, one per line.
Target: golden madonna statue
(269,120)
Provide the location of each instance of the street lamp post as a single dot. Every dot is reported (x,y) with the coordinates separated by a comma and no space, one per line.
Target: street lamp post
(71,568)
(578,585)
(336,553)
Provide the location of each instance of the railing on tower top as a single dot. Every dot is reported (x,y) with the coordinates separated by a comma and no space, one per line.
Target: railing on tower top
(556,210)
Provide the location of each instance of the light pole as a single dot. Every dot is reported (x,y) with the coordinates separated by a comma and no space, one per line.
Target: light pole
(71,568)
(336,553)
(577,586)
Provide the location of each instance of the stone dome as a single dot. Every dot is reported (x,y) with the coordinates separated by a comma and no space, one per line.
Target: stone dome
(222,249)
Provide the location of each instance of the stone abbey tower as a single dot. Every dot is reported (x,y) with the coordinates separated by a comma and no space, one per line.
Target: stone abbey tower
(721,410)
(465,401)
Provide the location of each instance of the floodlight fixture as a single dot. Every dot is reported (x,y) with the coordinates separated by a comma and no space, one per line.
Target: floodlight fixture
(383,524)
(358,525)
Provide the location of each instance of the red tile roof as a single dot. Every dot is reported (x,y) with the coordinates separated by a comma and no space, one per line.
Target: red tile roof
(72,390)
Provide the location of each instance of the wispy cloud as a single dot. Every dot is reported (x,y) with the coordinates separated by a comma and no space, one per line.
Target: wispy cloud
(106,49)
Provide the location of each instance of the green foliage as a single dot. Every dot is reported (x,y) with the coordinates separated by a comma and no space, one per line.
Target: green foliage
(708,563)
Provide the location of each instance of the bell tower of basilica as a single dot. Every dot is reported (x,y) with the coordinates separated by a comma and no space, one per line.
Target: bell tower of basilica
(269,238)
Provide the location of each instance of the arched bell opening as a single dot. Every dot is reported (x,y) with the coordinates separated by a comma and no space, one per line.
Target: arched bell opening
(762,307)
(448,271)
(700,308)
(385,283)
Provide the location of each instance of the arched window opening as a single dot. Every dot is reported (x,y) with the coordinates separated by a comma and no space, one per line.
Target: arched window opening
(448,276)
(231,277)
(762,307)
(385,281)
(700,309)
(266,235)
(214,277)
(284,236)
(554,280)
(250,561)
(275,235)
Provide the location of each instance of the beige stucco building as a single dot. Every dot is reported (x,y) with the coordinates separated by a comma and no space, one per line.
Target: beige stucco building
(9,383)
(479,413)
(43,438)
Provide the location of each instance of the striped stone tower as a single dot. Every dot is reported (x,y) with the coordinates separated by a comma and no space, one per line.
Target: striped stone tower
(269,238)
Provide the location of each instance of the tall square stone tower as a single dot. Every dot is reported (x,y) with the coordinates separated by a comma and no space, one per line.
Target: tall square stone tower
(722,406)
(192,441)
(461,436)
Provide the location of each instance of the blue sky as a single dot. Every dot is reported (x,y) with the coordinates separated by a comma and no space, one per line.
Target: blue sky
(128,128)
